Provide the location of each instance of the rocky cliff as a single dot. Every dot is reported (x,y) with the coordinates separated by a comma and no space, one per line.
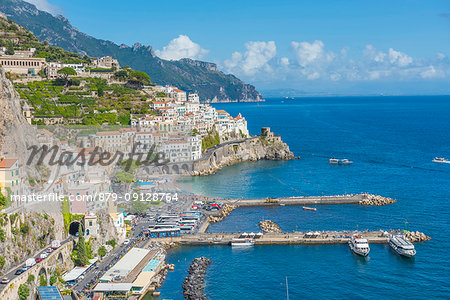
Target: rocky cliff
(16,135)
(252,149)
(23,234)
(187,74)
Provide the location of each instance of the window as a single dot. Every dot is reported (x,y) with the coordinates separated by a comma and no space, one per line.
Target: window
(17,172)
(90,223)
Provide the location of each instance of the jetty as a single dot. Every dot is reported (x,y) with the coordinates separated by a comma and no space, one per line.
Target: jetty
(363,199)
(285,238)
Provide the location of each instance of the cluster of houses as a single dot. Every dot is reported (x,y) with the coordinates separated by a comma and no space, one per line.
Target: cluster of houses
(176,129)
(177,112)
(24,62)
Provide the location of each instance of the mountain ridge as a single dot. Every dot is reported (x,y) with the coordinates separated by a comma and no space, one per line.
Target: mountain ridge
(187,74)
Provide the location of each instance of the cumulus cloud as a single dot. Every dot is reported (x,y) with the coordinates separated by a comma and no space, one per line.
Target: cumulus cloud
(256,58)
(373,54)
(308,53)
(181,47)
(46,6)
(311,61)
(399,58)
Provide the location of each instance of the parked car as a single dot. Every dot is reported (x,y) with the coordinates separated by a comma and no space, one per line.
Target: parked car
(49,250)
(4,280)
(38,260)
(126,242)
(43,255)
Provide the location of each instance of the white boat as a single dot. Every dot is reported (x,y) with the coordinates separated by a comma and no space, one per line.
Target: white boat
(441,160)
(242,242)
(402,245)
(338,161)
(309,208)
(359,245)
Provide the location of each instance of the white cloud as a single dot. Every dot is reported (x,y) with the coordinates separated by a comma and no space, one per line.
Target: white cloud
(307,53)
(373,54)
(46,6)
(255,58)
(284,61)
(311,61)
(181,47)
(399,58)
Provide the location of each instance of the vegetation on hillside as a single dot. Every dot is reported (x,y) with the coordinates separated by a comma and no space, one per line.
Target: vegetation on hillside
(210,140)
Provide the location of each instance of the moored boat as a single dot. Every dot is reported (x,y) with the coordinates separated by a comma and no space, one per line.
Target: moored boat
(400,244)
(309,208)
(242,242)
(359,245)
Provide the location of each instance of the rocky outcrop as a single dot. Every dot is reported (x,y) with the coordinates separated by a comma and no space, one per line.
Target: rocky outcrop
(193,284)
(252,149)
(268,226)
(416,236)
(376,200)
(16,135)
(225,211)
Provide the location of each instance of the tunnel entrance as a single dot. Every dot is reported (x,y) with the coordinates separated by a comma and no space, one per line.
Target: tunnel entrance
(74,227)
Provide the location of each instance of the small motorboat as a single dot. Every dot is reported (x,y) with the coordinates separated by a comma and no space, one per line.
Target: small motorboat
(441,160)
(338,161)
(309,208)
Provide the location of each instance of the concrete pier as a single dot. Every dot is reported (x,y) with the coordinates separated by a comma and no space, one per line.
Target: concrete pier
(364,199)
(307,200)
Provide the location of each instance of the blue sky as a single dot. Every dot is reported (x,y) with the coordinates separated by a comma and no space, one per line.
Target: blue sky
(292,44)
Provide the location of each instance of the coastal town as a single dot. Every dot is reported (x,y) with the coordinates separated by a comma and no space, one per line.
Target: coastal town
(89,193)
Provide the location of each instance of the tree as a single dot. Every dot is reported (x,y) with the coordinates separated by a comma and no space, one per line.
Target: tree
(141,77)
(121,75)
(66,72)
(24,292)
(102,251)
(82,257)
(2,199)
(9,50)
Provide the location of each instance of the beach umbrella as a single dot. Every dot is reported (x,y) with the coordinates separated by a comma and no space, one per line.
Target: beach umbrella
(251,233)
(259,233)
(244,234)
(316,233)
(309,233)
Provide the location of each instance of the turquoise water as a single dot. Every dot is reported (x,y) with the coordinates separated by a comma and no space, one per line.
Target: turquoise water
(392,141)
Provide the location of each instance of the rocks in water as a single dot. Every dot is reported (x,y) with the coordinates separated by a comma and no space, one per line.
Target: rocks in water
(225,211)
(193,284)
(416,236)
(369,199)
(268,226)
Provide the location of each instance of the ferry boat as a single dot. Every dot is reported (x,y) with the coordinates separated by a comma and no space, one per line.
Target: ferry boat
(337,161)
(309,208)
(359,245)
(402,245)
(441,160)
(242,242)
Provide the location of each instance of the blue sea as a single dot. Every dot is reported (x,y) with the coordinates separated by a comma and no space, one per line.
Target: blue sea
(392,141)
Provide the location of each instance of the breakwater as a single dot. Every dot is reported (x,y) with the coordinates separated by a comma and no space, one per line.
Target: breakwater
(193,284)
(293,238)
(224,211)
(268,226)
(363,199)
